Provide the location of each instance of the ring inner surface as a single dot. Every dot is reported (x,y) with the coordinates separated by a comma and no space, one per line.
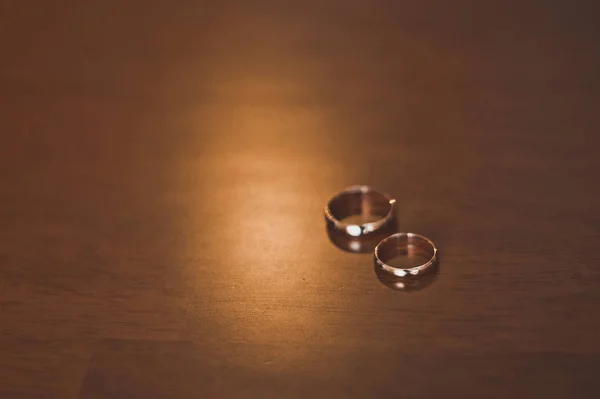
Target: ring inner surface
(405,252)
(360,207)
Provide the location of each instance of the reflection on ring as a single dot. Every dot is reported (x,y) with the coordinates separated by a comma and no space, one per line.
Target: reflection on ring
(406,284)
(360,245)
(406,247)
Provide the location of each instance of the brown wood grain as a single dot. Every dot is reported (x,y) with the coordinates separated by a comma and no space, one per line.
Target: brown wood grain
(165,165)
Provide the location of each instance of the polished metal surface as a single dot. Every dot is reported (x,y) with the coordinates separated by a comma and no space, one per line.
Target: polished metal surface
(406,244)
(362,244)
(361,201)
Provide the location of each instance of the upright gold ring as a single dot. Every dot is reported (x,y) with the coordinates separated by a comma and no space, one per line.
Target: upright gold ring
(360,201)
(406,244)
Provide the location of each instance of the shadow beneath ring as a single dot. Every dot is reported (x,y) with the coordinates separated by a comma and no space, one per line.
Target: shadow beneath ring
(360,245)
(408,284)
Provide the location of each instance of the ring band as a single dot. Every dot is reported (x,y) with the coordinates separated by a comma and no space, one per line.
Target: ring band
(405,284)
(364,201)
(405,244)
(365,244)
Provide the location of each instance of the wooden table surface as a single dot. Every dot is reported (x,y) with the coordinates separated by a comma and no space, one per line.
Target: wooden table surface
(164,168)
